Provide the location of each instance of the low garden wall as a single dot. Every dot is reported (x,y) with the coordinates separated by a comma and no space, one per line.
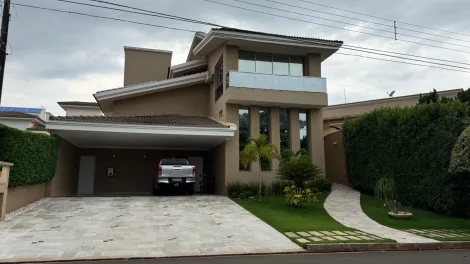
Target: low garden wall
(24,195)
(411,145)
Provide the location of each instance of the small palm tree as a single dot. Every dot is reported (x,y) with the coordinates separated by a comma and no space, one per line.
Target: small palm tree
(258,149)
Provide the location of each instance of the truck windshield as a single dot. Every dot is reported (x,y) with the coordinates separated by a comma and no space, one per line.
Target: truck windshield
(174,162)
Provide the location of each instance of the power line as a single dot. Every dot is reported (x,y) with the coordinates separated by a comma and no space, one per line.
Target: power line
(416,64)
(161,15)
(387,19)
(103,17)
(337,21)
(362,20)
(300,39)
(310,22)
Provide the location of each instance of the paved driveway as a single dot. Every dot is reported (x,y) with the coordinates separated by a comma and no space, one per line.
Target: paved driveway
(137,226)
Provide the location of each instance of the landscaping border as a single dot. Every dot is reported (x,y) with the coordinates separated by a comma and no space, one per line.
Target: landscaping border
(360,247)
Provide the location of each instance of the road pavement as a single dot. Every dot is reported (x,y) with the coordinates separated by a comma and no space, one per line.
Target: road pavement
(408,257)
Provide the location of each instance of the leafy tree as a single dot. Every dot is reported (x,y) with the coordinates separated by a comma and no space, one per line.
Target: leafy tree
(460,157)
(464,96)
(297,168)
(433,97)
(256,150)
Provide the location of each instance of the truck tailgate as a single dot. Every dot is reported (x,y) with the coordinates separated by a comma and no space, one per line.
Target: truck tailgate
(177,171)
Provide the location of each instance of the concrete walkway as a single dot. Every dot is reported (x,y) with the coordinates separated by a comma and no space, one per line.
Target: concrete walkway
(344,205)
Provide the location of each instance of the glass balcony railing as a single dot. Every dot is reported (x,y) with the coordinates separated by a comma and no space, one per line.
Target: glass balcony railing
(276,82)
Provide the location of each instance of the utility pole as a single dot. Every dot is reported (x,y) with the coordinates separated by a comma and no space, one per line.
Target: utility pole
(4,41)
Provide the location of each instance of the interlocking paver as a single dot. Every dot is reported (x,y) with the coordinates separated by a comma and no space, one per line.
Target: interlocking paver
(329,238)
(342,238)
(340,233)
(315,233)
(302,240)
(303,234)
(137,226)
(353,238)
(315,239)
(291,234)
(328,233)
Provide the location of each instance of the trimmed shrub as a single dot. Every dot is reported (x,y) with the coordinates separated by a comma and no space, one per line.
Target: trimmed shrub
(320,184)
(460,159)
(234,195)
(411,145)
(277,187)
(242,187)
(34,156)
(249,194)
(242,196)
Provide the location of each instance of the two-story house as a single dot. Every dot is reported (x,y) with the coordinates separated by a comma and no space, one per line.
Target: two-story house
(272,83)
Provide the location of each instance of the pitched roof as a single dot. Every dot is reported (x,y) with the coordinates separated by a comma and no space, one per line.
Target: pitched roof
(164,120)
(20,115)
(78,103)
(270,34)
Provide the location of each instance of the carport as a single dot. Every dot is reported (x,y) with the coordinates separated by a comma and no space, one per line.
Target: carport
(119,154)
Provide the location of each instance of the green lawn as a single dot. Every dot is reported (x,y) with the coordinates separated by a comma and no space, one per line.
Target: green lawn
(285,218)
(421,219)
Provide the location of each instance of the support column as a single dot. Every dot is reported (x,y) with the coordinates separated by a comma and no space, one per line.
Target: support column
(294,129)
(254,130)
(316,145)
(232,152)
(274,133)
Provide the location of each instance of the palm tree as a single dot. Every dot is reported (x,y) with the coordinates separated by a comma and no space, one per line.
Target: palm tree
(258,149)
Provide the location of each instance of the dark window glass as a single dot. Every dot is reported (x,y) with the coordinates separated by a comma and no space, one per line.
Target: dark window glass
(296,66)
(303,130)
(281,64)
(246,61)
(264,63)
(174,162)
(284,128)
(218,79)
(243,130)
(264,129)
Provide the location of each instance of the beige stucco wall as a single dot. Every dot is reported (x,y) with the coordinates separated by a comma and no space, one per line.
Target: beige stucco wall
(144,66)
(65,181)
(264,97)
(359,108)
(315,135)
(24,195)
(313,65)
(191,100)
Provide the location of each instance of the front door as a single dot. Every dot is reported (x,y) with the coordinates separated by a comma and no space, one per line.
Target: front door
(86,175)
(199,163)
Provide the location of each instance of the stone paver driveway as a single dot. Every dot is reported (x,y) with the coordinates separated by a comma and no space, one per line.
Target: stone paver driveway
(100,227)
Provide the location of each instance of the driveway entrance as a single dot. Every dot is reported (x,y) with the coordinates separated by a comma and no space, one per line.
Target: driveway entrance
(100,227)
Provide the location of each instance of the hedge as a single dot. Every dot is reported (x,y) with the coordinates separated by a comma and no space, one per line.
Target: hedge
(412,145)
(34,156)
(460,158)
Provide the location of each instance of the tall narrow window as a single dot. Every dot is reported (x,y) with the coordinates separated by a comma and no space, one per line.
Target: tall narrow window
(296,66)
(246,61)
(264,63)
(303,130)
(219,79)
(243,130)
(264,129)
(284,128)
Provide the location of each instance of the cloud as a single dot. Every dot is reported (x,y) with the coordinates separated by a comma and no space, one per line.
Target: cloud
(59,56)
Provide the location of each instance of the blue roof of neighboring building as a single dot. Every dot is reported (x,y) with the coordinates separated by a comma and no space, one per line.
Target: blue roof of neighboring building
(21,110)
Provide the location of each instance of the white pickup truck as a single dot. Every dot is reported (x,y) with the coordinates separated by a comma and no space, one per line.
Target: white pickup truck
(175,173)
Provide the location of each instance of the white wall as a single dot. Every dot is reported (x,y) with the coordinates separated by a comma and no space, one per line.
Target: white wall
(22,124)
(85,111)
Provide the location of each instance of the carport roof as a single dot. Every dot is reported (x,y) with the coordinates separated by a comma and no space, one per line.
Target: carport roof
(163,120)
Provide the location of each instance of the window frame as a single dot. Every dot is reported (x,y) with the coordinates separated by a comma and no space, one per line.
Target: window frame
(272,63)
(219,78)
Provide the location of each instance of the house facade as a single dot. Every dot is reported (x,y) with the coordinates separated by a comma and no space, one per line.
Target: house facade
(235,84)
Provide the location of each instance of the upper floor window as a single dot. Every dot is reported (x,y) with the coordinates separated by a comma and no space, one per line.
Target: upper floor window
(269,63)
(218,79)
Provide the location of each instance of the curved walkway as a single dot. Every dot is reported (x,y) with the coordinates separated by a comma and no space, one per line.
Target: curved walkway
(344,205)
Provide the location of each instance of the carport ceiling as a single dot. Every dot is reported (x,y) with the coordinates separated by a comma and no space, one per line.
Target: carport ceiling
(93,139)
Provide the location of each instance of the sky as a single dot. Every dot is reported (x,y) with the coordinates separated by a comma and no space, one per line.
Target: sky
(63,57)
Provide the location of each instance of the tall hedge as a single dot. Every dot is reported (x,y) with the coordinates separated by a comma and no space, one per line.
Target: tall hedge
(412,145)
(34,156)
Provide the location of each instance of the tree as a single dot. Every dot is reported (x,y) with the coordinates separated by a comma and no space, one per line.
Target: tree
(433,97)
(460,157)
(464,96)
(297,168)
(256,150)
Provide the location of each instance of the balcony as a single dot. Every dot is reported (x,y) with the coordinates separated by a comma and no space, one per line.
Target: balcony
(276,82)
